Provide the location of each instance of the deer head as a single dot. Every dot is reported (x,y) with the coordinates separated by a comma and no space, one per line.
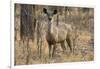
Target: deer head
(49,14)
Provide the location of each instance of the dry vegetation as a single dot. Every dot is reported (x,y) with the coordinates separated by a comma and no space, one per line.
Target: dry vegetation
(27,40)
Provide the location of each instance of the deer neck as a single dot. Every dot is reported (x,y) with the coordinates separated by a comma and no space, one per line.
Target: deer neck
(50,27)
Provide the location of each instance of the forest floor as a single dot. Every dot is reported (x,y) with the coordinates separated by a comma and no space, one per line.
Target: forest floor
(83,51)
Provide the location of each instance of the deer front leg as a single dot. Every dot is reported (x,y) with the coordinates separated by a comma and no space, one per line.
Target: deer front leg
(54,48)
(49,50)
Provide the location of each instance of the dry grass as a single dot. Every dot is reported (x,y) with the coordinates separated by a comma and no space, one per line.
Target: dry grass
(83,52)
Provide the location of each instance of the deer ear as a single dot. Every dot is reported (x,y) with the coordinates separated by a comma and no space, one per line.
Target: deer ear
(44,10)
(55,12)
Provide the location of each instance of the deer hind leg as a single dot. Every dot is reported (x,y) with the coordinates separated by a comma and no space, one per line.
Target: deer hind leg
(63,46)
(70,44)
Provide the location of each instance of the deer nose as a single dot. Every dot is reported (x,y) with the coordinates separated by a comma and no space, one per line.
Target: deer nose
(50,19)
